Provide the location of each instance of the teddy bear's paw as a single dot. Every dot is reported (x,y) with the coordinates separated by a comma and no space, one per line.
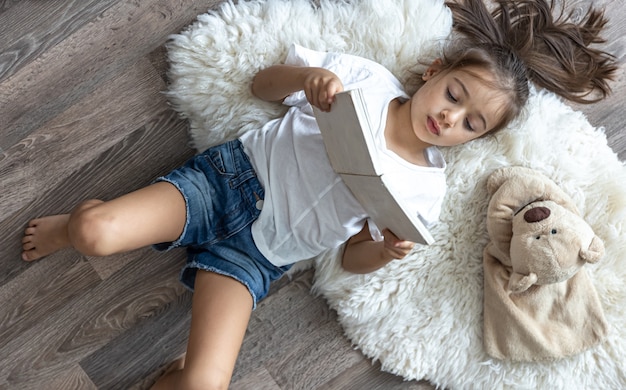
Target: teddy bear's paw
(594,252)
(519,283)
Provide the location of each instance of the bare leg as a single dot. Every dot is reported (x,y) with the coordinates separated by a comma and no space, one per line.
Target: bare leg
(147,216)
(220,313)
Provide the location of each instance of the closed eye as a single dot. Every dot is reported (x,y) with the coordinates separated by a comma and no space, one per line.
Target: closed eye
(451,96)
(468,125)
(467,96)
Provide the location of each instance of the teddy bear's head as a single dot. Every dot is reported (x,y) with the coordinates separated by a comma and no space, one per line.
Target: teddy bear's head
(550,243)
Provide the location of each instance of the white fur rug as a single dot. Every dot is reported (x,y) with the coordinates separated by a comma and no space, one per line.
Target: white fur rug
(420,317)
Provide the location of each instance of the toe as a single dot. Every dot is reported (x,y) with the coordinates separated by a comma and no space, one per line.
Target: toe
(28,256)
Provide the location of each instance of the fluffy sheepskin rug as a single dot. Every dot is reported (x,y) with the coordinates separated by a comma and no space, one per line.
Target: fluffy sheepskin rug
(420,317)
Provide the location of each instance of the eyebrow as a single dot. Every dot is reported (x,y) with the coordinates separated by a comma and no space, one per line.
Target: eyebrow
(467,95)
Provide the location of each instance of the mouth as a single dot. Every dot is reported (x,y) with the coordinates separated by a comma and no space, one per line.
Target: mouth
(433,126)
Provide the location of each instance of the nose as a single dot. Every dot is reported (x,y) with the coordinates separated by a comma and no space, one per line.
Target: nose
(451,116)
(536,214)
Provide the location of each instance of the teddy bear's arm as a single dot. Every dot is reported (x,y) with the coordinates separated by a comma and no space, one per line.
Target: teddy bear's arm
(519,283)
(594,252)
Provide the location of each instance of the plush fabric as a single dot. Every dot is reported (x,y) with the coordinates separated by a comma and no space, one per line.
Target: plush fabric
(539,303)
(420,317)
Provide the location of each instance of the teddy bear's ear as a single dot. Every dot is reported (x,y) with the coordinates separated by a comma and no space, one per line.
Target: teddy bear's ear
(594,252)
(498,177)
(519,283)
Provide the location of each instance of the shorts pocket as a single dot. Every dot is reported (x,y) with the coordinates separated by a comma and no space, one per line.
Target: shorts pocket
(214,157)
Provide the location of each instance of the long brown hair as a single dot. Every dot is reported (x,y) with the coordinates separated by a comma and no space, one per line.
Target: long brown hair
(528,40)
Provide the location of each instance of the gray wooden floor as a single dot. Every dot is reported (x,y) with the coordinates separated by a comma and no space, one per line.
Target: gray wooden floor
(82,116)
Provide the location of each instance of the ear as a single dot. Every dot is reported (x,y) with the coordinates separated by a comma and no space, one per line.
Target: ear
(519,283)
(432,70)
(594,252)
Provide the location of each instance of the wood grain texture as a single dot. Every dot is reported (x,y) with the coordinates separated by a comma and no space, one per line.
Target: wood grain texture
(29,28)
(364,375)
(125,359)
(72,378)
(85,324)
(62,74)
(283,343)
(83,116)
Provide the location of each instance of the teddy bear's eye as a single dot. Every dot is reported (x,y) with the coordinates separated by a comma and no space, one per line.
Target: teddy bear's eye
(553,231)
(538,237)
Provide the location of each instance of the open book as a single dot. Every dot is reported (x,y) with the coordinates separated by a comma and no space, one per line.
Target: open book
(350,146)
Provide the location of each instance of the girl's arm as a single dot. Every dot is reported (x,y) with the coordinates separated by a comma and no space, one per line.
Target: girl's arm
(278,81)
(364,255)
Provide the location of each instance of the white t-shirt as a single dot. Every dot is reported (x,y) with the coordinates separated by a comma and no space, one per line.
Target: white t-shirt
(307,207)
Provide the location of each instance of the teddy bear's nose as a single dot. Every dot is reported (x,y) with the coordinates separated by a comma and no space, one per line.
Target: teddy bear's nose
(536,214)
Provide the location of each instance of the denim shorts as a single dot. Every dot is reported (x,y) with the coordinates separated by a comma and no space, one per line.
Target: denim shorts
(223,197)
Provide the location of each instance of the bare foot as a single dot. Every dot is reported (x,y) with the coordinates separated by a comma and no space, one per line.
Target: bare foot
(44,236)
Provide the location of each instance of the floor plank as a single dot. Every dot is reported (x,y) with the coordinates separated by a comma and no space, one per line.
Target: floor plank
(125,358)
(32,95)
(290,336)
(47,23)
(28,307)
(57,342)
(73,378)
(365,375)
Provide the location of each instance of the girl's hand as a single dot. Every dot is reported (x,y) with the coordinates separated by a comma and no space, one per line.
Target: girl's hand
(363,255)
(278,81)
(320,87)
(394,247)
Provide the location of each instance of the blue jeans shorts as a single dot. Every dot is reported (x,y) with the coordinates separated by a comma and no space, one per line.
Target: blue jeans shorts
(223,197)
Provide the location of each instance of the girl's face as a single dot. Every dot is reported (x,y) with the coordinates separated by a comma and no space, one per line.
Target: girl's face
(454,107)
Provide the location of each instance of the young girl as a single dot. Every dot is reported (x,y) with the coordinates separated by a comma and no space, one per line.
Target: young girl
(248,209)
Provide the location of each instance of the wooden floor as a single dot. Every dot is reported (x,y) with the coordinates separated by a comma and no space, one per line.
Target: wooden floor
(82,116)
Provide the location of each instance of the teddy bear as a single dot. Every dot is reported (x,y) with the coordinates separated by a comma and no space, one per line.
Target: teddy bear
(539,229)
(539,302)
